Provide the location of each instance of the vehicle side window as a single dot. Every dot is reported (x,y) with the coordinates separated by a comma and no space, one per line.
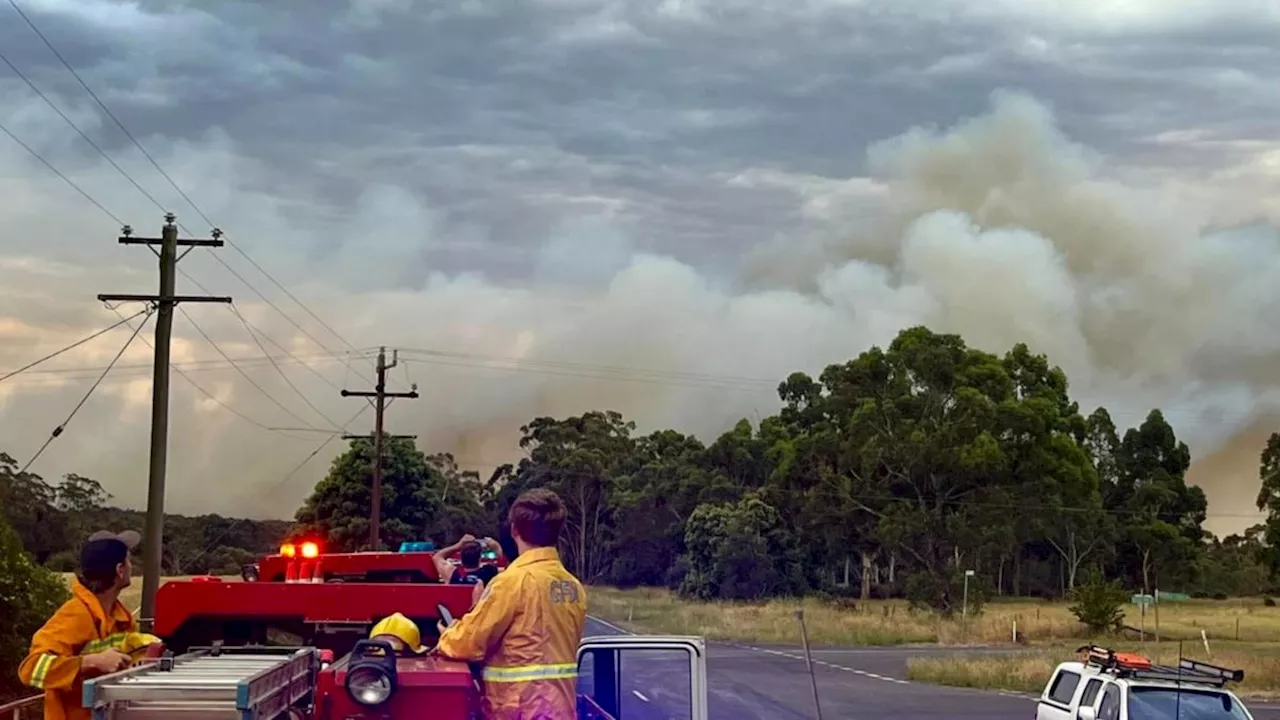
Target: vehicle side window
(1110,709)
(1090,692)
(1064,686)
(639,677)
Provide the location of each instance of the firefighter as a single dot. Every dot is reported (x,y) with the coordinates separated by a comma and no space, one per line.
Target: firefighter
(526,627)
(91,634)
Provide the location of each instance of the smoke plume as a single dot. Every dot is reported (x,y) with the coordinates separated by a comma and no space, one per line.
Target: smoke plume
(999,228)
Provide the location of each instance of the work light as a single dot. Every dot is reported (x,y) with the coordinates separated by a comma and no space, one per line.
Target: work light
(371,672)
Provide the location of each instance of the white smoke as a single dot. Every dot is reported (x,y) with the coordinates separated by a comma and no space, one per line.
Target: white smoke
(999,228)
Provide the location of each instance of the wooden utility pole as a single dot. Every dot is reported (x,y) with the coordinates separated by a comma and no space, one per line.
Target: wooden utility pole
(165,300)
(380,395)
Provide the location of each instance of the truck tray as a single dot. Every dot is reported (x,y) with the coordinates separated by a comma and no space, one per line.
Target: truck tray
(252,683)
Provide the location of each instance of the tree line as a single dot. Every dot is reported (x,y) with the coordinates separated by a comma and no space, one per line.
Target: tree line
(42,525)
(51,519)
(889,475)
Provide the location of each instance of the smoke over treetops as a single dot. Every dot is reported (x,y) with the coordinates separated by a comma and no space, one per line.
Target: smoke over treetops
(999,228)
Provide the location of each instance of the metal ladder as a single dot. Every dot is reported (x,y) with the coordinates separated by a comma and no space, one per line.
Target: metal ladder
(249,683)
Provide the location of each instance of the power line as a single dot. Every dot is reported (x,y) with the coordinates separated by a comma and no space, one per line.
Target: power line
(58,172)
(75,344)
(223,405)
(275,307)
(59,430)
(288,476)
(113,216)
(240,316)
(284,377)
(82,133)
(208,365)
(48,101)
(53,49)
(241,370)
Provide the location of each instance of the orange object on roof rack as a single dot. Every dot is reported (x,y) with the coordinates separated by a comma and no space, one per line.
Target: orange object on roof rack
(1132,660)
(1108,658)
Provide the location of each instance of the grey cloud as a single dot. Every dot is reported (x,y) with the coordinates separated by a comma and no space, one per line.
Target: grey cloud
(498,179)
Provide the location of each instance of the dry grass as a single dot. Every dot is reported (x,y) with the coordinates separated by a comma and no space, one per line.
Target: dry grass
(1028,672)
(893,623)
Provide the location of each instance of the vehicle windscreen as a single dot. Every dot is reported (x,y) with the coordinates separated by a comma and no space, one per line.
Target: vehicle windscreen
(1159,703)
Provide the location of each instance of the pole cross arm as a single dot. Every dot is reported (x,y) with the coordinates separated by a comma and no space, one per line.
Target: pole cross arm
(369,436)
(127,297)
(181,242)
(362,393)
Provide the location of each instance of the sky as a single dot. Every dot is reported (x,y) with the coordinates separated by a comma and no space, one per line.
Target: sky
(658,207)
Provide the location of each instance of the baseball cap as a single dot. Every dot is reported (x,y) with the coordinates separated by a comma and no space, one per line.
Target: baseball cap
(104,550)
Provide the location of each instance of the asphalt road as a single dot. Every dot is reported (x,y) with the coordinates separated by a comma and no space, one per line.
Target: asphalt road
(772,683)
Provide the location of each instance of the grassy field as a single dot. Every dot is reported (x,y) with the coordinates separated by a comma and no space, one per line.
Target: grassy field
(893,623)
(1242,633)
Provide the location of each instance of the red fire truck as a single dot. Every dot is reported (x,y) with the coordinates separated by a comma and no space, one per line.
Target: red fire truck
(291,641)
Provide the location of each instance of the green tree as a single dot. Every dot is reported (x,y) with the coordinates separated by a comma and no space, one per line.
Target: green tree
(28,504)
(579,458)
(663,481)
(1235,566)
(925,430)
(29,595)
(1269,498)
(413,497)
(740,551)
(1163,516)
(1099,604)
(1048,466)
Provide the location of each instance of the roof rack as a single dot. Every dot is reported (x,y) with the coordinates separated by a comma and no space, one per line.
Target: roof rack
(1133,665)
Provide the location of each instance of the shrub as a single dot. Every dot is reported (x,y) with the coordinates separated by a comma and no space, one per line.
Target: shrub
(1099,604)
(29,595)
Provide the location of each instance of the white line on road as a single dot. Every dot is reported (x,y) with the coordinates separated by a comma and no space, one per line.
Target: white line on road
(640,695)
(610,625)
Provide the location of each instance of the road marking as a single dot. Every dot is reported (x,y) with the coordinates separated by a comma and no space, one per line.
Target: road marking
(824,663)
(610,625)
(640,695)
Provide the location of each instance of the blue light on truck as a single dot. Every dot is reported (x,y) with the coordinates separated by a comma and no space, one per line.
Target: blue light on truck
(420,546)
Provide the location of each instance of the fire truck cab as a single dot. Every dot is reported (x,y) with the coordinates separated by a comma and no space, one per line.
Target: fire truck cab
(294,644)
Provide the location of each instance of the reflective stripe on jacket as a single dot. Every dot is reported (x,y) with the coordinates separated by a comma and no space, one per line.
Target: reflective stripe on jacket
(525,629)
(80,627)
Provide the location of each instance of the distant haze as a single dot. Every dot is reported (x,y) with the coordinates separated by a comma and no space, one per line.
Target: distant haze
(998,228)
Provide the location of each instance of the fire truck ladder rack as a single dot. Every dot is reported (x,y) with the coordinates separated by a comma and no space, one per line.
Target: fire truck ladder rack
(250,683)
(1128,665)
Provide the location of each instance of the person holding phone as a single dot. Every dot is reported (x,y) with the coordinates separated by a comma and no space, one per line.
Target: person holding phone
(528,622)
(470,570)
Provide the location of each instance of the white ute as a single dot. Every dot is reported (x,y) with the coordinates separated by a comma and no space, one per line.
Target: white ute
(1109,685)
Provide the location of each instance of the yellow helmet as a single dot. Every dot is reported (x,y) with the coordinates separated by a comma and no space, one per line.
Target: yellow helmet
(401,628)
(136,644)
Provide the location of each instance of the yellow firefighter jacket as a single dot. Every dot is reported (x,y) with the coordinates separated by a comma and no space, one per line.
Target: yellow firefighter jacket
(80,627)
(525,629)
